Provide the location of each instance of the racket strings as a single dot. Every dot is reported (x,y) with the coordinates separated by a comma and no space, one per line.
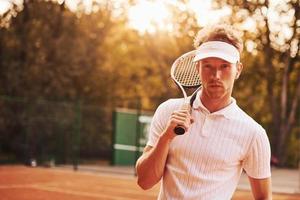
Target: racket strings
(186,72)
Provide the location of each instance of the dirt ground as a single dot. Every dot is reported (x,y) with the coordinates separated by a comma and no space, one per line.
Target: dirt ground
(25,183)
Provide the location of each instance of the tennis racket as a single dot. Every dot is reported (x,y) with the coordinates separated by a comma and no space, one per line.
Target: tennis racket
(186,76)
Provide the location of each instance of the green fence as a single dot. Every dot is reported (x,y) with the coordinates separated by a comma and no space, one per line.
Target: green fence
(130,135)
(63,132)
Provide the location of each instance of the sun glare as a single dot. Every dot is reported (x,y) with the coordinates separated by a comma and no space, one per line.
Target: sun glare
(204,12)
(148,16)
(4,6)
(152,15)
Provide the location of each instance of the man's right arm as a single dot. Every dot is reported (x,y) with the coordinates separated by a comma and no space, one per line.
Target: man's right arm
(151,165)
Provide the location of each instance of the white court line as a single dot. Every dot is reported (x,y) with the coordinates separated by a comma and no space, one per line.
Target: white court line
(72,192)
(12,186)
(89,194)
(65,191)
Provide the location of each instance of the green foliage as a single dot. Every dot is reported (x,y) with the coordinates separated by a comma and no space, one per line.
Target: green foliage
(293,149)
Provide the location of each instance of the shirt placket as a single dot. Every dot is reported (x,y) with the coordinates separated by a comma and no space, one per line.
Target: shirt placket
(205,122)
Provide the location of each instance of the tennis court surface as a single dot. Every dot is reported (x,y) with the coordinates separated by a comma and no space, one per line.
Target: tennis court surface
(26,183)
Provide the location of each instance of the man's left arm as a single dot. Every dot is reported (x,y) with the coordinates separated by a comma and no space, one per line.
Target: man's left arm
(257,166)
(261,188)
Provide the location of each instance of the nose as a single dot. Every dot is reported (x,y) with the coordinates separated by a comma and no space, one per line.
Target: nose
(216,74)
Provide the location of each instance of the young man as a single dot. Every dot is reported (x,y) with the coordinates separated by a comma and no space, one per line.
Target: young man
(221,140)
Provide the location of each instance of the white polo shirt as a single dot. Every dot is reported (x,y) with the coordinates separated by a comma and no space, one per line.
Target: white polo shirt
(207,161)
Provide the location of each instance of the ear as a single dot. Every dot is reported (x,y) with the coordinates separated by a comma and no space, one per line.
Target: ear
(198,66)
(239,70)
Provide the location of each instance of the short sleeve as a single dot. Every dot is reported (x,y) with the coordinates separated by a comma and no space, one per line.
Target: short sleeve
(257,160)
(161,118)
(158,123)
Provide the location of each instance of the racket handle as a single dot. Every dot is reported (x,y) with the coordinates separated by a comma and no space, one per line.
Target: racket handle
(179,130)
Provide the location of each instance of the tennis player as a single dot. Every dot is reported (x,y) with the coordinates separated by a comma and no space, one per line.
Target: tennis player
(221,139)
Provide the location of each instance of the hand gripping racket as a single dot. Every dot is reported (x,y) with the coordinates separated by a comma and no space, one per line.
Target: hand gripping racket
(185,75)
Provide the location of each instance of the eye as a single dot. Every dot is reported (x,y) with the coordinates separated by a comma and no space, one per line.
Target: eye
(206,65)
(225,66)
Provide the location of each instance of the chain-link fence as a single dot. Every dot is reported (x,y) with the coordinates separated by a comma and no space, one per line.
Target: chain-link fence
(47,132)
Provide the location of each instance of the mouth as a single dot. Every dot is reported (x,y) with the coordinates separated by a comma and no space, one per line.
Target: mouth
(214,85)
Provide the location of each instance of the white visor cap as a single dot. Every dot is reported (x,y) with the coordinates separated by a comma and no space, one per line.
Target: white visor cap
(218,49)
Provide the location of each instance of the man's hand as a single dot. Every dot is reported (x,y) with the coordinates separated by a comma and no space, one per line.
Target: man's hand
(181,118)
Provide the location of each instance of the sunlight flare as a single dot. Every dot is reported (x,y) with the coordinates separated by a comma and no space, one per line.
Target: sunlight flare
(148,16)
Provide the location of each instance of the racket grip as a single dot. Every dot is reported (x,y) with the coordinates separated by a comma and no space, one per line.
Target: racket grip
(179,130)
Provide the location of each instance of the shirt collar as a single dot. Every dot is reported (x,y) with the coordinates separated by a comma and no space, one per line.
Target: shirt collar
(228,112)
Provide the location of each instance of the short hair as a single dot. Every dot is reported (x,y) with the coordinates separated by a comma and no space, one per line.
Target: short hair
(220,32)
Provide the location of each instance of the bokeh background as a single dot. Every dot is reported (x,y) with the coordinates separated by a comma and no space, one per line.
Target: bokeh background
(66,65)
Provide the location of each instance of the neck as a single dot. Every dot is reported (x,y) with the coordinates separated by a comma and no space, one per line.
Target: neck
(215,104)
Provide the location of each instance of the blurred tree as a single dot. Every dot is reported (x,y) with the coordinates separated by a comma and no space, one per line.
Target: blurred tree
(164,46)
(50,52)
(271,36)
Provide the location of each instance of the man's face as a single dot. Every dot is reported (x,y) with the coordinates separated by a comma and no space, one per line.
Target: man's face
(218,76)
